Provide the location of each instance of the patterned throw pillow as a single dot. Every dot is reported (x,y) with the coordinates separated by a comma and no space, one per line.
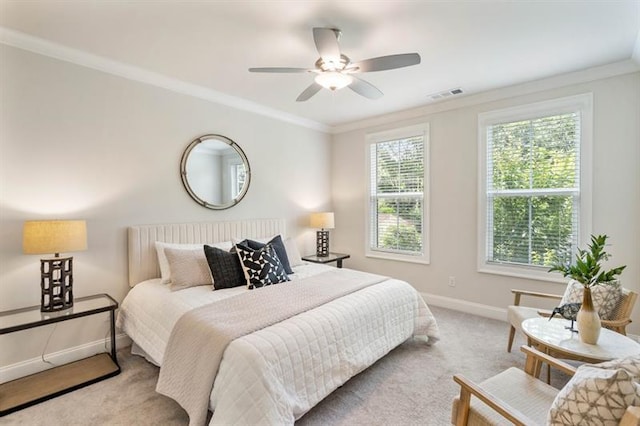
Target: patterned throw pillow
(262,267)
(598,394)
(605,297)
(278,246)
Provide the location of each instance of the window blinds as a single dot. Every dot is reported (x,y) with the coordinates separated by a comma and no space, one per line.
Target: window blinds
(397,195)
(533,190)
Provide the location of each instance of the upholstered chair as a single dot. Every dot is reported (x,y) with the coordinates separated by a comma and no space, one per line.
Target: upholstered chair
(519,397)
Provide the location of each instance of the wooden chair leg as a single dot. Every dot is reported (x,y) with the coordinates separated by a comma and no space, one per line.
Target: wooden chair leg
(548,374)
(631,417)
(463,407)
(512,334)
(533,365)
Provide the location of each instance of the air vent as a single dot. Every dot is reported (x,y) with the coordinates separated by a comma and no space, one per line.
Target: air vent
(445,94)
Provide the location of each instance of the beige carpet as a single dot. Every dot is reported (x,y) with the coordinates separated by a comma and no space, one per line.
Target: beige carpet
(411,385)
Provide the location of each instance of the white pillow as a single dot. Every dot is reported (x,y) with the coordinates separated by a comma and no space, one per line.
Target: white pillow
(292,252)
(165,270)
(189,268)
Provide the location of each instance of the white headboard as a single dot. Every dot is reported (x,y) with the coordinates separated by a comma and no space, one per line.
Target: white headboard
(143,261)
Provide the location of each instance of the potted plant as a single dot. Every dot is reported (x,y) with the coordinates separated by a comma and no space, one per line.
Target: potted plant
(587,270)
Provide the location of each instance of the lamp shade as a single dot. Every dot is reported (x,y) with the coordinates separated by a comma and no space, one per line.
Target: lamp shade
(54,236)
(322,220)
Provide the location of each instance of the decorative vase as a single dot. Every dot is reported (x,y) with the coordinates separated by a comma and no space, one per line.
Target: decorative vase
(588,320)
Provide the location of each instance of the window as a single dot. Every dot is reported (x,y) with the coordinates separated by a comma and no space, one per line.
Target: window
(238,178)
(535,185)
(397,226)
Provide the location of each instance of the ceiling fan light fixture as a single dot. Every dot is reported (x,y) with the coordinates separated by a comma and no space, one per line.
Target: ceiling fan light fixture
(333,80)
(334,70)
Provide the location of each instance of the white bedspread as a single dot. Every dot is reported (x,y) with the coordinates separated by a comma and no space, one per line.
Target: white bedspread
(151,309)
(275,375)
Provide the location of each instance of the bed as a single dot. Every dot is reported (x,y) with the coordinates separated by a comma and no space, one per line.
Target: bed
(275,374)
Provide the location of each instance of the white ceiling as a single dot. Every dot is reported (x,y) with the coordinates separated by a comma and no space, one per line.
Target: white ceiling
(474,45)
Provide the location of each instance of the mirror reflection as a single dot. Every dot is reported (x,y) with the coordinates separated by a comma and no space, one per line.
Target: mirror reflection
(215,171)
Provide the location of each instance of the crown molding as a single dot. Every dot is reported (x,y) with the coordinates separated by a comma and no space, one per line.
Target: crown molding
(557,81)
(54,50)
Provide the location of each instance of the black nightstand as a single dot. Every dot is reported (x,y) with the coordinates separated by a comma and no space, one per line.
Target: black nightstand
(30,390)
(333,257)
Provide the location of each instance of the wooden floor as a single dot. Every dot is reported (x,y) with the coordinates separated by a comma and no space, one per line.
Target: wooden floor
(55,380)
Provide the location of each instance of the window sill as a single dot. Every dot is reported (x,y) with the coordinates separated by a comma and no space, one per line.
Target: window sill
(522,272)
(400,258)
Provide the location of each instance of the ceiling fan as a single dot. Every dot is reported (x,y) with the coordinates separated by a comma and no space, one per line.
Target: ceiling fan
(335,70)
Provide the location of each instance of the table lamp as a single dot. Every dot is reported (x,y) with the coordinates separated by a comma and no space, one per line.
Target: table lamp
(56,273)
(323,221)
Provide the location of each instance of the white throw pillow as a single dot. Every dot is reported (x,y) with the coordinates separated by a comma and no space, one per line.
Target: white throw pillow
(598,394)
(293,254)
(165,270)
(605,297)
(189,268)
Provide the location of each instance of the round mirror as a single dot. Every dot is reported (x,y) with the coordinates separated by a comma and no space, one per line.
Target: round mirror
(215,172)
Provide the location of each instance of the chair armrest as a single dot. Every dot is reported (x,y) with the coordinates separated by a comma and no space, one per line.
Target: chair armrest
(518,293)
(534,355)
(616,323)
(468,388)
(544,313)
(631,417)
(619,325)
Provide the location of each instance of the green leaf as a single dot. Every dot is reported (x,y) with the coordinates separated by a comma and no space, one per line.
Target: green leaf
(587,268)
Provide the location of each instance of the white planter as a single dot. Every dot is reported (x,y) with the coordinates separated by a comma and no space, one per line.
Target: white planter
(588,320)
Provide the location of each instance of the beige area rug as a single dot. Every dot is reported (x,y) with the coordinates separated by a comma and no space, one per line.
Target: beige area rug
(412,385)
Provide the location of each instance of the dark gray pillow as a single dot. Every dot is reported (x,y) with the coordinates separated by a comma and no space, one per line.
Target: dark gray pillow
(278,245)
(225,267)
(262,266)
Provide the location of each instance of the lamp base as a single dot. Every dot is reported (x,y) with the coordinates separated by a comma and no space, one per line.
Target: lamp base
(56,283)
(322,243)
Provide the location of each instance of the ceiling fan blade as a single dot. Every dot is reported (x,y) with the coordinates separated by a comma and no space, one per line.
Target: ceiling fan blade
(279,69)
(309,92)
(389,62)
(326,41)
(364,88)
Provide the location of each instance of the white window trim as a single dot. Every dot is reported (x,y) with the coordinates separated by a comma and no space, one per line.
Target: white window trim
(582,103)
(399,133)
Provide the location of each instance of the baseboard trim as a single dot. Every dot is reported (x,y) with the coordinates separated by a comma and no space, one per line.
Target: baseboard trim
(36,365)
(465,306)
(477,308)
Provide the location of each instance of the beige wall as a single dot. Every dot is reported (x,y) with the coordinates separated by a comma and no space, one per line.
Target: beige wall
(453,149)
(78,143)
